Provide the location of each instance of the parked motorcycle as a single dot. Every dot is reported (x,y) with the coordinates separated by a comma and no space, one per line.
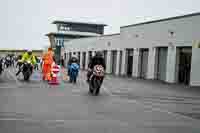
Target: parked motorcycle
(73,72)
(27,70)
(96,79)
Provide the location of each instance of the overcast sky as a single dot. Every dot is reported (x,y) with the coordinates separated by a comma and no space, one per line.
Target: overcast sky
(25,22)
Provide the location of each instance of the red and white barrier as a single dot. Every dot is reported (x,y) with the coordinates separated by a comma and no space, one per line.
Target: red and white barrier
(54,71)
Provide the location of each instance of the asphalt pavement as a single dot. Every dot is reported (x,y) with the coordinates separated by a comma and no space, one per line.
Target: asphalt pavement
(124,105)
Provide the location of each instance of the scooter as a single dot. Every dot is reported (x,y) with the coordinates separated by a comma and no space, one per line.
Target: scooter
(96,80)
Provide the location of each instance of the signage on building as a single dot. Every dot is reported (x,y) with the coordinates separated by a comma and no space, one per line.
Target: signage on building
(62,27)
(59,42)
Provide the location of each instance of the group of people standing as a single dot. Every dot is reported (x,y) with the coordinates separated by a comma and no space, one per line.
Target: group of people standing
(48,60)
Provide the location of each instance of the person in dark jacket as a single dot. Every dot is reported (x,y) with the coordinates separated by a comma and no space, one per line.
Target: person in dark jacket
(98,59)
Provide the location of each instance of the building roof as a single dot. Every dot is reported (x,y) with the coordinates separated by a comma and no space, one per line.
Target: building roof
(74,22)
(161,20)
(73,33)
(110,34)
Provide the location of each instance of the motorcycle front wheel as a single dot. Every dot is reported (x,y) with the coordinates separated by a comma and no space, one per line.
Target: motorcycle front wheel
(26,76)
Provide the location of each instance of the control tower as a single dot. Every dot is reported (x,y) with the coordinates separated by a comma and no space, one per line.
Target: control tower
(68,30)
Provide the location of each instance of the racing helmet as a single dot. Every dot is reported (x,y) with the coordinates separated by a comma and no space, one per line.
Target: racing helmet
(99,54)
(29,52)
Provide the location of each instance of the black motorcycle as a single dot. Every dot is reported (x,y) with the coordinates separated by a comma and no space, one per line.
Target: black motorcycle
(27,70)
(7,63)
(1,65)
(96,80)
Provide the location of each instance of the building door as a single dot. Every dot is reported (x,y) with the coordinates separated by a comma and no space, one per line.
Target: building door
(113,62)
(129,62)
(185,55)
(120,63)
(70,55)
(144,62)
(84,59)
(90,56)
(162,63)
(79,55)
(105,56)
(58,54)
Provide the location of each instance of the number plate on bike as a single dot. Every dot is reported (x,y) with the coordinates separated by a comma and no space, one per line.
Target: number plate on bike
(98,70)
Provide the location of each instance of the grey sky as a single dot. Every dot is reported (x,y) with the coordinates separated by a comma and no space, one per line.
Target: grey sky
(25,22)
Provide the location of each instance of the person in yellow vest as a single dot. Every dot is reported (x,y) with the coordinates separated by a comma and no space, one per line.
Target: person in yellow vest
(28,56)
(47,63)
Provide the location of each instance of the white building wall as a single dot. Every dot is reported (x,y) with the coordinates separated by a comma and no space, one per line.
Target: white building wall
(195,67)
(136,62)
(86,60)
(151,63)
(157,34)
(109,42)
(117,63)
(123,66)
(171,65)
(148,36)
(81,58)
(108,62)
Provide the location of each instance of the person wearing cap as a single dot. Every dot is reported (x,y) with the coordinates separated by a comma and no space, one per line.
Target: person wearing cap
(47,60)
(27,56)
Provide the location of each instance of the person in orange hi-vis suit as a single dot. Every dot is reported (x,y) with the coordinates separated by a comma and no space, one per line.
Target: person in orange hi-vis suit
(47,63)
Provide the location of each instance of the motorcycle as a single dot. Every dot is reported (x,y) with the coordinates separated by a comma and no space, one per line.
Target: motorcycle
(1,66)
(96,79)
(27,70)
(73,72)
(7,63)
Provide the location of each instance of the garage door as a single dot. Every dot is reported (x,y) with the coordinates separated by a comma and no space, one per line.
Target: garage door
(162,63)
(144,62)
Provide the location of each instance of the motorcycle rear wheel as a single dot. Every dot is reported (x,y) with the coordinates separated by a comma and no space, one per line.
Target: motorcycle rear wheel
(94,86)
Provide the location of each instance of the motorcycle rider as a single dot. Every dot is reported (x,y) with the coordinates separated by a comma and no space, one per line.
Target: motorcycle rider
(98,59)
(7,61)
(19,61)
(28,56)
